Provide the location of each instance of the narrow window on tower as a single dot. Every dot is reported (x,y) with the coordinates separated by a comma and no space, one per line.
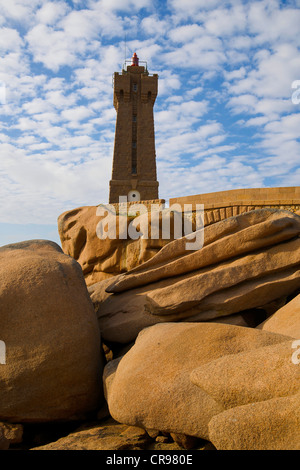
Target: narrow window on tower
(134,118)
(135,87)
(133,159)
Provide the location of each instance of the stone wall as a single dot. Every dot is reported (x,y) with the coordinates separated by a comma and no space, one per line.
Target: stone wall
(223,204)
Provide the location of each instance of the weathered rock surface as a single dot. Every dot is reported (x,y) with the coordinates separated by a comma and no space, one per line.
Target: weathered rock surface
(12,432)
(285,321)
(150,386)
(233,237)
(4,442)
(111,435)
(251,376)
(103,258)
(120,319)
(184,441)
(267,425)
(259,388)
(53,350)
(248,261)
(108,436)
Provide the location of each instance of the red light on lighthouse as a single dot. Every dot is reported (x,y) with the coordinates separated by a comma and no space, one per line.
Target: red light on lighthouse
(134,59)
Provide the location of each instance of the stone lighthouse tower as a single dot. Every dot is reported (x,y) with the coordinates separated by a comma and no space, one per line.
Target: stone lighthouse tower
(134,161)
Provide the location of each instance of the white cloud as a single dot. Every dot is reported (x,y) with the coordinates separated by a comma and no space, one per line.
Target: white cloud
(236,57)
(51,47)
(10,40)
(168,82)
(80,24)
(122,5)
(223,117)
(240,42)
(46,119)
(55,84)
(59,100)
(76,114)
(44,202)
(189,8)
(243,104)
(265,89)
(235,74)
(51,12)
(281,139)
(36,106)
(205,53)
(210,175)
(194,91)
(271,23)
(186,33)
(152,25)
(224,22)
(257,121)
(19,10)
(179,116)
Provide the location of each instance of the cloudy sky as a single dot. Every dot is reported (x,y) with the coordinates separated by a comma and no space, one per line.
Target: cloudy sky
(224,115)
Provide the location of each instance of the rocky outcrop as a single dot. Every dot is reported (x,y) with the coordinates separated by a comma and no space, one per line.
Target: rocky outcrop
(104,258)
(267,425)
(4,442)
(250,376)
(53,358)
(108,436)
(259,390)
(111,435)
(156,384)
(200,345)
(286,320)
(247,262)
(12,432)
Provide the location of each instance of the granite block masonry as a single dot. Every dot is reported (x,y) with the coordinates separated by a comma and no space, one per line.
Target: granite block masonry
(134,160)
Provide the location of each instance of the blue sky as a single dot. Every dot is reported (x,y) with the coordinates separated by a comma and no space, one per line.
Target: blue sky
(224,117)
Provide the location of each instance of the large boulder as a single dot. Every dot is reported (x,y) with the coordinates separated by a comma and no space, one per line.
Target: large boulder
(259,390)
(266,425)
(247,262)
(286,320)
(151,386)
(53,364)
(101,258)
(253,375)
(107,436)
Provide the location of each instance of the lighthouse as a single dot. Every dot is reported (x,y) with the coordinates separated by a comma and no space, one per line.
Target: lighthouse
(134,160)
